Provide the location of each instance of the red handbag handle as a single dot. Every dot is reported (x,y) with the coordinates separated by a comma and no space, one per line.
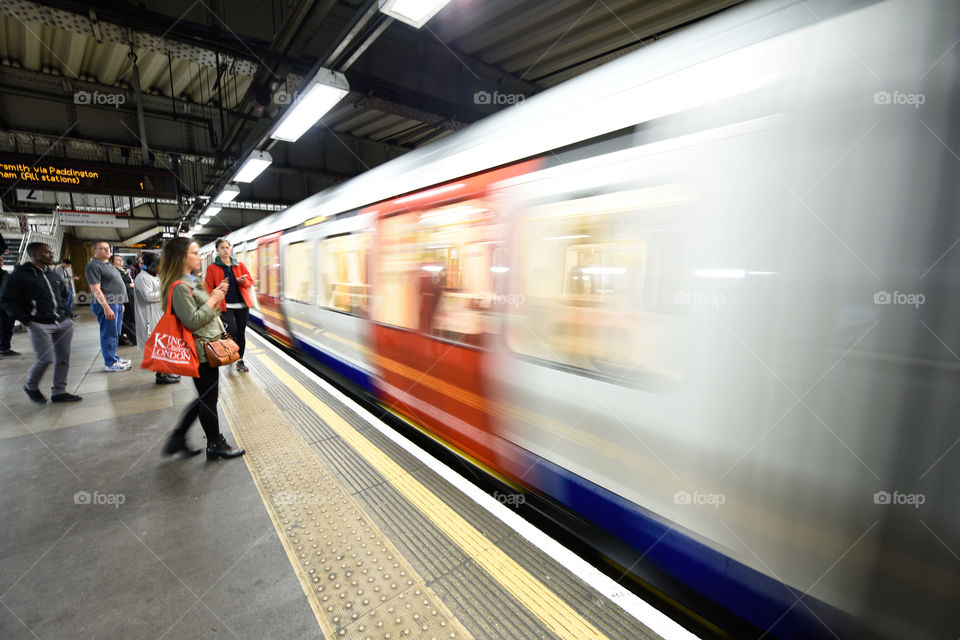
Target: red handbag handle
(170,294)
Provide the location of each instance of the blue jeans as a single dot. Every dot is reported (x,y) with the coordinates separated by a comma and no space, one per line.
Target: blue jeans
(70,303)
(109,331)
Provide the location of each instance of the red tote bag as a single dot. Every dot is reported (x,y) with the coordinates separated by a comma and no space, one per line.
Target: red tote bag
(170,348)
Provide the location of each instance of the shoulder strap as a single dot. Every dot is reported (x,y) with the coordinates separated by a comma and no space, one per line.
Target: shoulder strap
(170,293)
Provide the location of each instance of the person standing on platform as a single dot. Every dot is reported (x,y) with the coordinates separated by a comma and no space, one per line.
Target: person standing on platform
(35,295)
(6,322)
(65,271)
(236,304)
(147,292)
(199,313)
(109,294)
(128,328)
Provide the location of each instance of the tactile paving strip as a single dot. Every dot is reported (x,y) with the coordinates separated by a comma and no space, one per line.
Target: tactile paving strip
(357,583)
(556,615)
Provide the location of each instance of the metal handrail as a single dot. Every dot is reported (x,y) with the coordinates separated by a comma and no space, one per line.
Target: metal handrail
(54,239)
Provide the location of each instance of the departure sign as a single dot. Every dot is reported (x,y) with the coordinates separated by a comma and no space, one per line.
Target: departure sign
(52,174)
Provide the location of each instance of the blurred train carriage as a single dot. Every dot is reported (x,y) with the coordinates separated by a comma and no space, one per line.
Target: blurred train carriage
(647,295)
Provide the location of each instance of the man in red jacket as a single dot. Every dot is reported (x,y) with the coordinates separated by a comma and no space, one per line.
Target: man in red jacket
(236,305)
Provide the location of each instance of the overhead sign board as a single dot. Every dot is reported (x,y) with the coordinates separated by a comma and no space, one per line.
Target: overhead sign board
(91,219)
(51,174)
(35,196)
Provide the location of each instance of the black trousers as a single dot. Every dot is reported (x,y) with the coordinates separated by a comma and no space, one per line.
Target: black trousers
(6,330)
(236,322)
(205,406)
(130,320)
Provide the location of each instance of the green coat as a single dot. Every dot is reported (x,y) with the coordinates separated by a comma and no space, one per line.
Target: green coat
(193,312)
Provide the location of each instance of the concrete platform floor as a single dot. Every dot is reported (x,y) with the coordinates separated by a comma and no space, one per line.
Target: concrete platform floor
(101,537)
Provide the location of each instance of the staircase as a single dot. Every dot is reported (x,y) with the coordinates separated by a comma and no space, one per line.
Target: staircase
(53,238)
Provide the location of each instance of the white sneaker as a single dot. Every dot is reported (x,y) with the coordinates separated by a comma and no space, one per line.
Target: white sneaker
(116,366)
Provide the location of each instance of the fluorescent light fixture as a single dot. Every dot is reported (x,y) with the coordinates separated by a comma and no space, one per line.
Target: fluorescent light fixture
(229,192)
(167,235)
(203,220)
(254,166)
(325,90)
(211,211)
(415,13)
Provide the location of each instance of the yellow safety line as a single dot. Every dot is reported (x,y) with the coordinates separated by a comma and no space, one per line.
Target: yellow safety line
(556,614)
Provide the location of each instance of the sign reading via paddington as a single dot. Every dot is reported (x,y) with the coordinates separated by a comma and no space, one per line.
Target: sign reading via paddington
(31,172)
(92,219)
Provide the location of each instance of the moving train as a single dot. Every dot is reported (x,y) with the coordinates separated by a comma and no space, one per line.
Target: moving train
(699,296)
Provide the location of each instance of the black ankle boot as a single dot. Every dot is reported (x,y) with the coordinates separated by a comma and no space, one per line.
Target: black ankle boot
(218,448)
(177,443)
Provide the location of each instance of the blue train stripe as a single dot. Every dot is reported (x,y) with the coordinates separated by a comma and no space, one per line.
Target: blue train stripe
(754,596)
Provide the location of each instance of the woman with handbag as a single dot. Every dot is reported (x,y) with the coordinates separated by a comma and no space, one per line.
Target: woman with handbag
(199,313)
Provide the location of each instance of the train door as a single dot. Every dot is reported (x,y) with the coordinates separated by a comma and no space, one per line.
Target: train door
(268,287)
(433,309)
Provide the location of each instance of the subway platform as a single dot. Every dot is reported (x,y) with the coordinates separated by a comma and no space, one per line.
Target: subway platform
(332,526)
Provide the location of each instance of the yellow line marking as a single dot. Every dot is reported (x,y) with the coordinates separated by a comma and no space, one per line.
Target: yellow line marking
(556,614)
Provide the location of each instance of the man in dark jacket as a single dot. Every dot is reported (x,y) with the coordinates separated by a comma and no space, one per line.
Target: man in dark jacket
(6,323)
(36,296)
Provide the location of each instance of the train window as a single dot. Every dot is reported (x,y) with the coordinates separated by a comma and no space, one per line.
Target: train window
(599,276)
(298,285)
(344,284)
(250,259)
(436,268)
(269,269)
(262,261)
(273,269)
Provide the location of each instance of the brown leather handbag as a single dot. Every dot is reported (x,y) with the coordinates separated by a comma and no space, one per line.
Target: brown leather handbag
(222,351)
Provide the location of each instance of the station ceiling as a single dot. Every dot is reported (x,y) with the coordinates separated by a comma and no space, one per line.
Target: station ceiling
(214,76)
